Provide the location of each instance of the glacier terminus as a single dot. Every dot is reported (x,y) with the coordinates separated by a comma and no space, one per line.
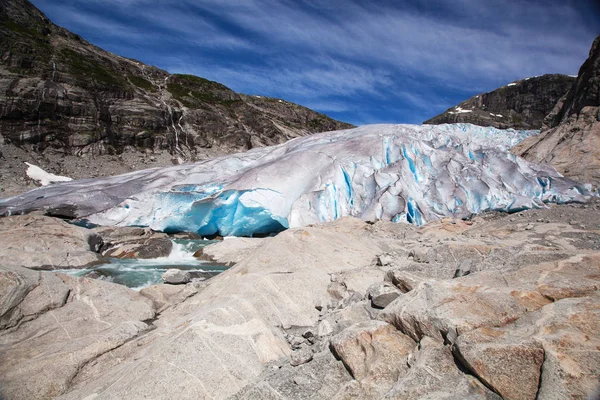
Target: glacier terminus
(400,173)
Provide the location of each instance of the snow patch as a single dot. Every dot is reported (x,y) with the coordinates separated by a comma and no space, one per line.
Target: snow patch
(42,177)
(513,84)
(459,110)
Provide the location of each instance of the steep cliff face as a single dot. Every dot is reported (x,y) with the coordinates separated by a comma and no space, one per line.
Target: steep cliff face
(521,105)
(571,138)
(62,96)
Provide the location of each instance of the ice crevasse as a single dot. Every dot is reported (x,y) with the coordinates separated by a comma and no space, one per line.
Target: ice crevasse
(401,173)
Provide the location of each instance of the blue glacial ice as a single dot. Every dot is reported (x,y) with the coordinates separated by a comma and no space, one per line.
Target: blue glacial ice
(401,173)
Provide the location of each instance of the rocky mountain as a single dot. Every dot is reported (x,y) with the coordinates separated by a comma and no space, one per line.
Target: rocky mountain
(62,98)
(570,140)
(521,104)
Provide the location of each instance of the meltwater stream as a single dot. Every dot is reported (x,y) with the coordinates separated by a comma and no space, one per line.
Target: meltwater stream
(140,273)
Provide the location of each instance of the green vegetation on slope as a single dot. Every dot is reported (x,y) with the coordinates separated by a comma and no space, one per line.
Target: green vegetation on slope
(85,69)
(142,83)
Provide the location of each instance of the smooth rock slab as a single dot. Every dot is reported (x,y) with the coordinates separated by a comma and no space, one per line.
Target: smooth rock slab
(58,335)
(34,241)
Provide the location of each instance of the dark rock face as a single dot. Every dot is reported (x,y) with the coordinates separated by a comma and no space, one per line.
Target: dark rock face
(520,105)
(570,140)
(586,90)
(62,95)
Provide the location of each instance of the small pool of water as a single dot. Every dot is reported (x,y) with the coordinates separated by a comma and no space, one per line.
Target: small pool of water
(140,273)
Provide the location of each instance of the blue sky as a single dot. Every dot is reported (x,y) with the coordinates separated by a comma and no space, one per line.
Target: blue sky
(377,61)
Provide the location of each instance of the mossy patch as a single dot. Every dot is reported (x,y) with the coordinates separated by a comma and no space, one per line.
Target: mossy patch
(86,70)
(142,83)
(187,95)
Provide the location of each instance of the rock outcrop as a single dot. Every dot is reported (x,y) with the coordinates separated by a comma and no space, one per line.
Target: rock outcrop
(522,104)
(64,101)
(42,242)
(57,324)
(570,140)
(292,318)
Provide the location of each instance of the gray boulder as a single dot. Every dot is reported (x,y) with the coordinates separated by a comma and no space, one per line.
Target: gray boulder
(176,276)
(382,294)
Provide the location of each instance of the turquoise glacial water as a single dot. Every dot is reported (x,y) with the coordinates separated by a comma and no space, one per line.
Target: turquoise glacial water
(140,273)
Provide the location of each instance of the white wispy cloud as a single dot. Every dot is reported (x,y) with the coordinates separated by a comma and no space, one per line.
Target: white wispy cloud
(419,54)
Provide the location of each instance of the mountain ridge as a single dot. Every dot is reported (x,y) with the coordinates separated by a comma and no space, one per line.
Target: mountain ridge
(63,97)
(522,104)
(571,136)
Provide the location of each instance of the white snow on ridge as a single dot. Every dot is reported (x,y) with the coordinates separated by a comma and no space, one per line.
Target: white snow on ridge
(42,177)
(513,84)
(402,173)
(459,110)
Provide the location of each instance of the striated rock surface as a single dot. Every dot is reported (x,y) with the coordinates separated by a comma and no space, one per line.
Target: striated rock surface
(571,136)
(522,104)
(76,110)
(59,326)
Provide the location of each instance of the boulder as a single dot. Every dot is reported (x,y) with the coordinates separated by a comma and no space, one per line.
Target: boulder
(433,374)
(382,294)
(176,276)
(133,242)
(35,241)
(555,346)
(403,280)
(153,247)
(442,309)
(374,352)
(301,356)
(508,364)
(385,259)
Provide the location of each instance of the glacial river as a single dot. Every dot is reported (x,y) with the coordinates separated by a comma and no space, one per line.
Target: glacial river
(140,273)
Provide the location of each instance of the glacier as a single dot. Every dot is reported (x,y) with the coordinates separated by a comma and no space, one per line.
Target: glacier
(400,173)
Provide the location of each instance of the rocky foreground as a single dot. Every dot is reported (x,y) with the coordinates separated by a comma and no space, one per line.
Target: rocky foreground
(503,306)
